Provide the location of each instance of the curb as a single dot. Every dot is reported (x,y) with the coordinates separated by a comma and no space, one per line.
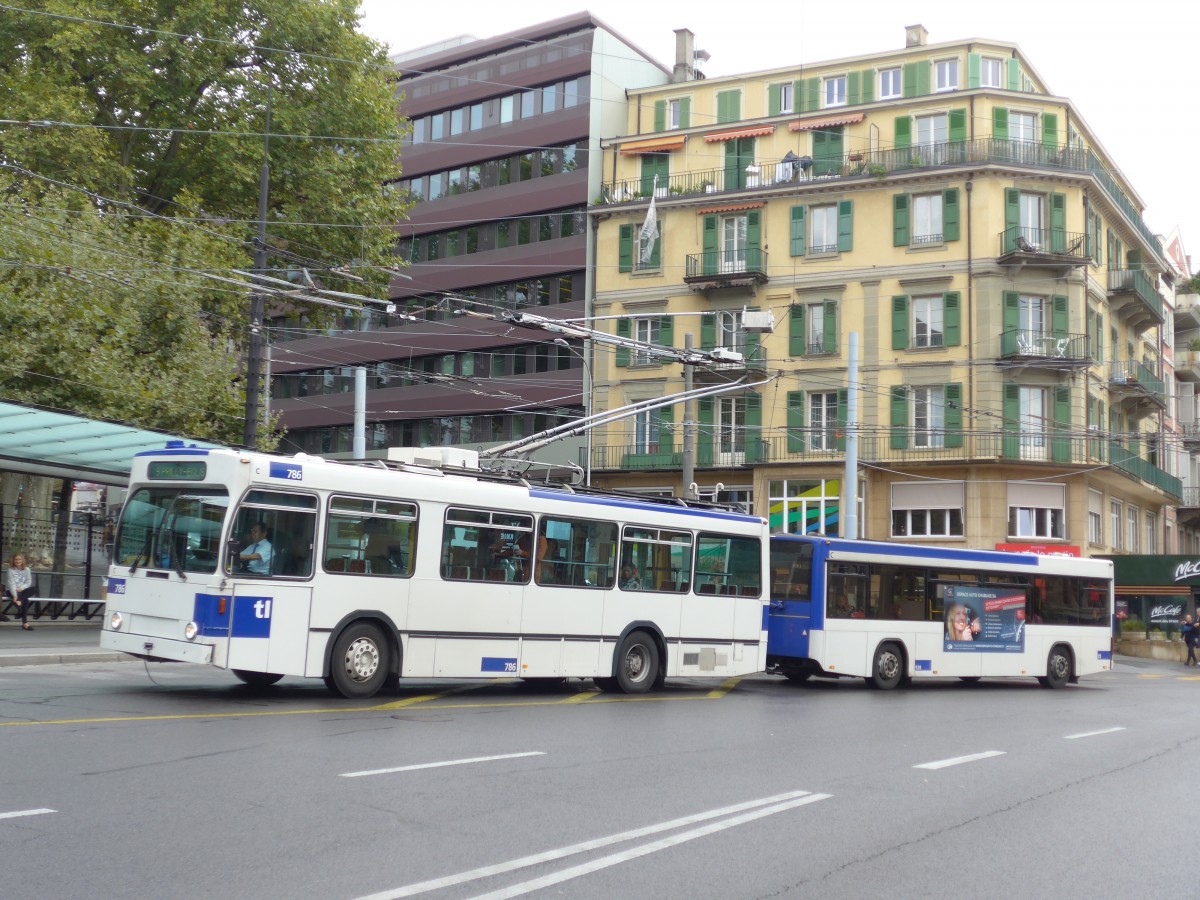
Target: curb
(54,659)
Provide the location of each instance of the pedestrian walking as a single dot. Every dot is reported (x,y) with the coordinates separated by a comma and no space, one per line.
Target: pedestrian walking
(1190,631)
(20,586)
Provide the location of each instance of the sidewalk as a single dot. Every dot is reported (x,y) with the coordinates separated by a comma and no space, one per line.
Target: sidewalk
(51,643)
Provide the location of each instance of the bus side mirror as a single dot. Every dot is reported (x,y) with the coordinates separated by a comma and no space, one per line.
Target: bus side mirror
(233,550)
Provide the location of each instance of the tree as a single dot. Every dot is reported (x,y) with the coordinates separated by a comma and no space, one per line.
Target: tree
(160,106)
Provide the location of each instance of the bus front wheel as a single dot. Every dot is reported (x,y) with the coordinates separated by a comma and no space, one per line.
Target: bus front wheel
(358,667)
(1058,668)
(637,664)
(887,670)
(256,679)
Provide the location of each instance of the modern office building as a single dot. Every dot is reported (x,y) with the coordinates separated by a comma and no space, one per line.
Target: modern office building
(502,161)
(941,206)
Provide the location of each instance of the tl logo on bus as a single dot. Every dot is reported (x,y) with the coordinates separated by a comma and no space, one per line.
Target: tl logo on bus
(252,617)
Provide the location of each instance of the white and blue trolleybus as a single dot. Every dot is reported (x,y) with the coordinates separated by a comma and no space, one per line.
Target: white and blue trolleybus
(364,573)
(891,613)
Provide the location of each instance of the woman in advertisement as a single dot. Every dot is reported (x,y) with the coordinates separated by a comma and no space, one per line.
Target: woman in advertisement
(961,622)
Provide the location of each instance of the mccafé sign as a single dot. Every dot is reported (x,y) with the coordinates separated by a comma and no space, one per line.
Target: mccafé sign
(1186,570)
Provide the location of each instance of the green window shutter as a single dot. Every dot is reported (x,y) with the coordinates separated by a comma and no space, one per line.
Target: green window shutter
(1060,447)
(722,106)
(660,115)
(796,331)
(845,240)
(900,323)
(795,422)
(1058,223)
(1050,129)
(651,165)
(1059,316)
(622,355)
(900,220)
(957,126)
(899,435)
(974,65)
(798,98)
(754,442)
(953,418)
(853,89)
(797,231)
(704,433)
(733,166)
(924,72)
(708,331)
(666,433)
(909,79)
(625,249)
(685,112)
(999,124)
(773,101)
(710,252)
(842,406)
(666,331)
(829,337)
(1011,314)
(752,350)
(868,85)
(951,319)
(1099,337)
(812,94)
(1010,444)
(1133,257)
(1012,218)
(729,106)
(754,240)
(903,132)
(1014,75)
(656,251)
(950,214)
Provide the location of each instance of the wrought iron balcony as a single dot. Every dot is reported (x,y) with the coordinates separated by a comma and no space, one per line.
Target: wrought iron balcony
(1191,498)
(1044,247)
(1044,349)
(782,173)
(1134,297)
(1135,382)
(726,268)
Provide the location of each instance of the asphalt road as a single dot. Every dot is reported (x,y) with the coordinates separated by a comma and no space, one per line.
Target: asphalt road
(180,782)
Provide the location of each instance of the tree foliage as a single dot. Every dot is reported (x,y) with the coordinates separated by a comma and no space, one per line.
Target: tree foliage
(161,104)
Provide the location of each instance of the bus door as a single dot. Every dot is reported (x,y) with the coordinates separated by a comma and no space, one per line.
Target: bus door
(791,610)
(268,627)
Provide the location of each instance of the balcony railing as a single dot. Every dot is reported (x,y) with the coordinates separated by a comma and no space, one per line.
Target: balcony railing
(1131,374)
(816,445)
(879,163)
(717,265)
(1191,498)
(1041,346)
(1045,242)
(1137,282)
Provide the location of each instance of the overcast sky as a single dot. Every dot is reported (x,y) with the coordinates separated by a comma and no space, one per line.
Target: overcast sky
(1131,70)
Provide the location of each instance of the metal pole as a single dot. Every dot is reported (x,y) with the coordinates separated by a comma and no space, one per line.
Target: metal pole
(689,428)
(850,479)
(87,558)
(360,412)
(254,351)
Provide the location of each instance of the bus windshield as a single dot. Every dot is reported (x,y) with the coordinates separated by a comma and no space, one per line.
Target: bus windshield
(173,528)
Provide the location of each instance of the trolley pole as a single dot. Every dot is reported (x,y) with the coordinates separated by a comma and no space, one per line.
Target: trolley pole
(254,350)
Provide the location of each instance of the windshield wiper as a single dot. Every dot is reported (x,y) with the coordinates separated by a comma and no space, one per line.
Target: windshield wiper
(145,554)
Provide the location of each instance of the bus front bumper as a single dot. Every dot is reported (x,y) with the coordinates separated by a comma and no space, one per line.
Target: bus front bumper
(156,647)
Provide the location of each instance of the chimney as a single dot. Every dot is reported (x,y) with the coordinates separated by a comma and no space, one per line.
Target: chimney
(685,55)
(915,36)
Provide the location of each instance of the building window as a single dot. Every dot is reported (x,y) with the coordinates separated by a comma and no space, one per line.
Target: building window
(1151,533)
(786,97)
(1114,518)
(927,219)
(645,431)
(733,244)
(730,431)
(1035,522)
(927,509)
(674,113)
(1032,208)
(989,72)
(928,329)
(1022,126)
(1133,517)
(929,417)
(805,507)
(946,71)
(932,134)
(814,315)
(1095,518)
(730,335)
(824,237)
(890,84)
(646,331)
(822,420)
(1034,418)
(507,107)
(835,91)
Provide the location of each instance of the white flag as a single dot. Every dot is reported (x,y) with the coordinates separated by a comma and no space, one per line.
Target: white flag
(649,233)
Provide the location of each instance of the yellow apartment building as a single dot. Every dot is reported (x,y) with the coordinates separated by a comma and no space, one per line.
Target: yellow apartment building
(943,205)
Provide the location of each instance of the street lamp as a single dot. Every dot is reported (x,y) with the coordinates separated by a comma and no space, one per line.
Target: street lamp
(587,406)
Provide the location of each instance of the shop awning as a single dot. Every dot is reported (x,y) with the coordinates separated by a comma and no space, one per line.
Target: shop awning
(736,133)
(728,207)
(826,122)
(655,145)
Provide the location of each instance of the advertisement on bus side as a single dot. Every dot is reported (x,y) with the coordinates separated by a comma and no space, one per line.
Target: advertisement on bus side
(982,619)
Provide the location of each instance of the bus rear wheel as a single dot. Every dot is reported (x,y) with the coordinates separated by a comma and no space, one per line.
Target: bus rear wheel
(887,670)
(256,679)
(359,667)
(637,664)
(1058,668)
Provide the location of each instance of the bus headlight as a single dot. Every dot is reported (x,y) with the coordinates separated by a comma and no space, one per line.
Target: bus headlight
(115,621)
(190,630)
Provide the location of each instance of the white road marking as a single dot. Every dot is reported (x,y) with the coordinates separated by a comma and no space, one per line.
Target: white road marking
(1072,737)
(959,760)
(604,862)
(586,846)
(26,812)
(438,765)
